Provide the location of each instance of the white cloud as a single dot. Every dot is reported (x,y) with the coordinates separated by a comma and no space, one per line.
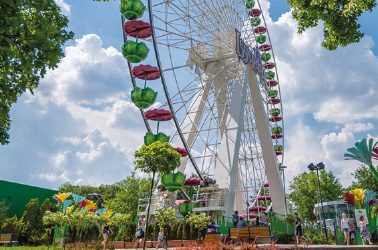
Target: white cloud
(66,8)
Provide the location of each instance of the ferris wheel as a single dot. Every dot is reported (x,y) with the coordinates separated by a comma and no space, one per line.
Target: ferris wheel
(208,70)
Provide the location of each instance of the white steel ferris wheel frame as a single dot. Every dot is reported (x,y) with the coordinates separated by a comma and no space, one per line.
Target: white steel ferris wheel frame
(246,94)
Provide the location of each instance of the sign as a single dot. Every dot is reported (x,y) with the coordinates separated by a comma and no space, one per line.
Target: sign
(248,56)
(359,212)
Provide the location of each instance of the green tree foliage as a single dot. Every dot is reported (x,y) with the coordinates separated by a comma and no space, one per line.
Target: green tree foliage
(364,179)
(3,211)
(305,191)
(165,217)
(126,200)
(32,222)
(156,157)
(31,36)
(339,16)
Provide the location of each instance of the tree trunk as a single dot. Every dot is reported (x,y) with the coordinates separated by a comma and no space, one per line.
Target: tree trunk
(148,210)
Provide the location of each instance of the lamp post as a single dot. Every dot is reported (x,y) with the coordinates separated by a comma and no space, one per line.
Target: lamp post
(318,167)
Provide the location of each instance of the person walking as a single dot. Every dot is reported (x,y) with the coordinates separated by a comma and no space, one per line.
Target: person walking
(352,229)
(344,225)
(298,227)
(105,234)
(235,218)
(365,235)
(162,240)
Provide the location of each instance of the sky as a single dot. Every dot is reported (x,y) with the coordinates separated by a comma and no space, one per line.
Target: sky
(81,127)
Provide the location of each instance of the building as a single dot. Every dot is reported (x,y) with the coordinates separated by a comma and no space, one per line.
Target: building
(333,211)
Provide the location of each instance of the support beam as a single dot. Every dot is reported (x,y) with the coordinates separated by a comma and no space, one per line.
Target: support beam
(189,126)
(270,160)
(227,172)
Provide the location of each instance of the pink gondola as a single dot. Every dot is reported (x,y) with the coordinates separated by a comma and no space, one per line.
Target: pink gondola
(260,30)
(181,151)
(251,216)
(272,83)
(192,182)
(137,29)
(265,47)
(255,12)
(266,184)
(269,65)
(275,118)
(146,72)
(274,100)
(264,198)
(257,208)
(158,115)
(277,136)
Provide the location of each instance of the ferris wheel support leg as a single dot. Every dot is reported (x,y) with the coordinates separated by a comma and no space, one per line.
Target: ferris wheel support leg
(270,160)
(228,177)
(189,127)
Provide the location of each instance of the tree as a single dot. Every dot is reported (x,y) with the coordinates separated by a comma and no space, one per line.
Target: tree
(305,191)
(31,36)
(339,16)
(126,200)
(3,211)
(364,179)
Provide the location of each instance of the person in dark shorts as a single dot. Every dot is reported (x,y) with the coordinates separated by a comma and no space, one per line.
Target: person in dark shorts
(352,230)
(298,227)
(105,234)
(235,218)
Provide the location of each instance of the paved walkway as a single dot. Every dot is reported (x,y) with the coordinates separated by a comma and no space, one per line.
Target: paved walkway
(284,247)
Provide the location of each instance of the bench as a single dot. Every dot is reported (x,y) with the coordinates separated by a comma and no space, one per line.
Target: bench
(256,235)
(6,239)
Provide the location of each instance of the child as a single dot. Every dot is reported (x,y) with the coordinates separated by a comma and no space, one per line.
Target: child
(161,241)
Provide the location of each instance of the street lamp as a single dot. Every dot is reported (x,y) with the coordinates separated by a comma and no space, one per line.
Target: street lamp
(318,167)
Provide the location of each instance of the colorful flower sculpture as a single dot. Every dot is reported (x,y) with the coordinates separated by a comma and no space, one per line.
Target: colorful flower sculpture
(132,9)
(137,29)
(375,153)
(173,181)
(61,197)
(363,152)
(135,52)
(143,98)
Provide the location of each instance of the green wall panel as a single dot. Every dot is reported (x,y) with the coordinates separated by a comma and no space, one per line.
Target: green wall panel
(18,195)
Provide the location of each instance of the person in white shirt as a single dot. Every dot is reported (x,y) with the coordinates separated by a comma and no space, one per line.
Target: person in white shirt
(344,225)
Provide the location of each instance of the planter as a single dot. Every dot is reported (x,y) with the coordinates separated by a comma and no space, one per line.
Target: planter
(69,245)
(151,244)
(80,245)
(133,244)
(119,244)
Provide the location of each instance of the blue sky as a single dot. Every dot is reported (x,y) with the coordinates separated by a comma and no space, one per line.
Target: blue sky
(81,127)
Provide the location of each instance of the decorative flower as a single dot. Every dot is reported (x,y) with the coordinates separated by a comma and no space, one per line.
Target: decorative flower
(132,9)
(358,197)
(108,213)
(90,206)
(349,197)
(69,209)
(135,52)
(375,153)
(61,197)
(143,98)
